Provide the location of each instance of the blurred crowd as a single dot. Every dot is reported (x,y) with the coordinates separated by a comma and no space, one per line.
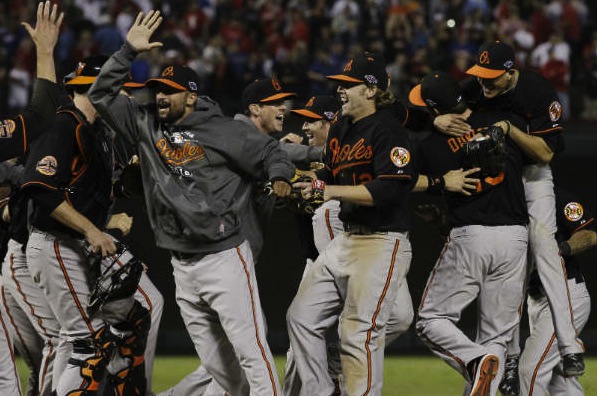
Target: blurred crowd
(232,42)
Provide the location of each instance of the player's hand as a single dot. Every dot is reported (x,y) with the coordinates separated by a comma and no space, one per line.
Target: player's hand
(452,124)
(459,181)
(292,138)
(142,29)
(281,188)
(100,242)
(47,26)
(122,222)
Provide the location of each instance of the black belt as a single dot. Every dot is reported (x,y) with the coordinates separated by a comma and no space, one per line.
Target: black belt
(358,229)
(183,255)
(577,277)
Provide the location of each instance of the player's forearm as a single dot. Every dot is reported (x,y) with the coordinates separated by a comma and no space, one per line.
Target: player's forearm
(581,241)
(45,63)
(533,146)
(70,217)
(353,194)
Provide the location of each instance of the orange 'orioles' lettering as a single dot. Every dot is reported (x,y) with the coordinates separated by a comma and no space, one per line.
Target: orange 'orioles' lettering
(456,143)
(181,155)
(357,152)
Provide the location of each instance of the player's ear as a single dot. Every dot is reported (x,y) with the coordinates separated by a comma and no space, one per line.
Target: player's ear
(254,109)
(191,99)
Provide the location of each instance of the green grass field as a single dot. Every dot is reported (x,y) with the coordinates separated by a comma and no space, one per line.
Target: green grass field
(404,376)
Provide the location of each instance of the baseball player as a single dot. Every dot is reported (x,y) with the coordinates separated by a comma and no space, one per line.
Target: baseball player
(540,365)
(69,191)
(484,256)
(10,383)
(524,94)
(195,202)
(368,171)
(17,133)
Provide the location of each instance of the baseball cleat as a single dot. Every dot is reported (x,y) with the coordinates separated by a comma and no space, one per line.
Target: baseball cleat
(574,365)
(487,368)
(510,383)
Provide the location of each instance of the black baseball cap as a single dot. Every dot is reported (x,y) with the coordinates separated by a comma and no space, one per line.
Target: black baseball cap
(493,60)
(437,90)
(177,78)
(263,91)
(86,71)
(323,107)
(367,68)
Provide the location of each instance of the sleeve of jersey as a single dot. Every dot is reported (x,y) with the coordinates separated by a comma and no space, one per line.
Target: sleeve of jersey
(48,166)
(545,111)
(39,116)
(259,155)
(392,160)
(119,111)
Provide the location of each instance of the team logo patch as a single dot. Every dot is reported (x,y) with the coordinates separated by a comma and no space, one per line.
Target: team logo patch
(47,166)
(400,156)
(555,111)
(573,211)
(371,79)
(7,127)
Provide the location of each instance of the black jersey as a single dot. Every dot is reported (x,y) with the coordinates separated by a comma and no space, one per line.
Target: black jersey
(72,162)
(375,152)
(532,101)
(17,133)
(572,215)
(498,200)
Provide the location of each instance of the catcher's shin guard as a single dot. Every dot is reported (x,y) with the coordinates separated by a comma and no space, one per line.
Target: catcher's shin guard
(91,368)
(130,380)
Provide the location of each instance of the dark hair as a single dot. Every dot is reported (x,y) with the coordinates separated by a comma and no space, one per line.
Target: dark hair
(383,98)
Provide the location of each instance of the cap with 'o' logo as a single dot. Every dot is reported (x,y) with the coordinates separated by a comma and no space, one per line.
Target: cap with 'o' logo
(493,60)
(367,68)
(264,91)
(177,78)
(323,107)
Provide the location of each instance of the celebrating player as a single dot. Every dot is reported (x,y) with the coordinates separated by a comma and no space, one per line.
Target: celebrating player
(484,257)
(188,156)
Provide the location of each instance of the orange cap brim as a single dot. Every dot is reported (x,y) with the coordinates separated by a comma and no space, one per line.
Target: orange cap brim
(307,113)
(342,77)
(81,80)
(132,84)
(415,96)
(277,96)
(479,71)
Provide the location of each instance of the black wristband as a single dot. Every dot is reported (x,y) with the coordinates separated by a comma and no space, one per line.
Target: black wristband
(565,249)
(436,186)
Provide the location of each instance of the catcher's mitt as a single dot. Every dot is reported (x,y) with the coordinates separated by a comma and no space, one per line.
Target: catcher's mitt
(112,284)
(486,151)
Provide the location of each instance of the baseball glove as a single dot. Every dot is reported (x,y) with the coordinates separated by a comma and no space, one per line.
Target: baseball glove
(297,202)
(486,151)
(112,284)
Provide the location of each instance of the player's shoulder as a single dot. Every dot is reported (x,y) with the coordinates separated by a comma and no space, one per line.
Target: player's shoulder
(533,86)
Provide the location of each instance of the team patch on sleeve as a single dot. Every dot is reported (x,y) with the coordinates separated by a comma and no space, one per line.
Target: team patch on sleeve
(555,111)
(400,156)
(7,128)
(573,211)
(47,166)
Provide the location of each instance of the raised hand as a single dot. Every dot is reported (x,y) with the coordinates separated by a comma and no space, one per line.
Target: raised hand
(142,29)
(47,27)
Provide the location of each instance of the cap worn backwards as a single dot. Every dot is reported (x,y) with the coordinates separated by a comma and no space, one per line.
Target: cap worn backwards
(263,91)
(323,107)
(437,90)
(87,71)
(493,60)
(177,78)
(367,68)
